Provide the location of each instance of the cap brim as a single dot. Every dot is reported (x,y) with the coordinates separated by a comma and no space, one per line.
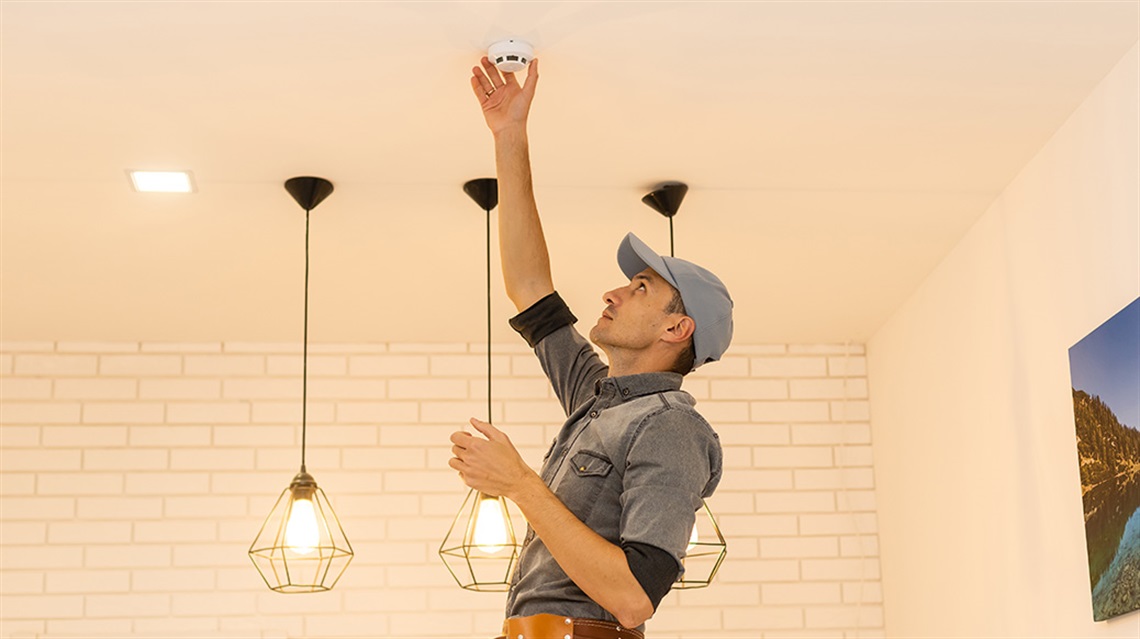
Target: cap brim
(634,256)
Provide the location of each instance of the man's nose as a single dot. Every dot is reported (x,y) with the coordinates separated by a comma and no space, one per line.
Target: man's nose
(610,297)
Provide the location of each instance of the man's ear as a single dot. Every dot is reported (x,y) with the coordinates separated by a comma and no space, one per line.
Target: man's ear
(680,330)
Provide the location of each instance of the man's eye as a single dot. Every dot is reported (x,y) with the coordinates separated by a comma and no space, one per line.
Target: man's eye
(641,286)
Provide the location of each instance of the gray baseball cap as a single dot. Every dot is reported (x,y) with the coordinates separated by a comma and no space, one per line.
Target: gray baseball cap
(705,296)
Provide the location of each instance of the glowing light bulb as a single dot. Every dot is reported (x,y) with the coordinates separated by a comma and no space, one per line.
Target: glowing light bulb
(302,534)
(693,540)
(490,526)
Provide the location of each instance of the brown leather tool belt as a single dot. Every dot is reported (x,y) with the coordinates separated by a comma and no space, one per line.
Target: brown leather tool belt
(559,627)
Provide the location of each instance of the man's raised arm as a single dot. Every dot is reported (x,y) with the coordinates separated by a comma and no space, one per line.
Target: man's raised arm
(506,105)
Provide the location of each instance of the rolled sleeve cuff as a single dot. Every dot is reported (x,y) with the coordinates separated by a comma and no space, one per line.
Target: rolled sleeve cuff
(543,318)
(655,569)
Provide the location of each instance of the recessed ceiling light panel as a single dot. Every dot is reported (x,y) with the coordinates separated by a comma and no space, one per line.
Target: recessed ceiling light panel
(162,181)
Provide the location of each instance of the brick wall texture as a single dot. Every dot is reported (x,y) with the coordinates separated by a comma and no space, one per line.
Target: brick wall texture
(135,476)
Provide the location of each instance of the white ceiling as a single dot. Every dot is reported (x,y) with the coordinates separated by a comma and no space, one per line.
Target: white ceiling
(835,153)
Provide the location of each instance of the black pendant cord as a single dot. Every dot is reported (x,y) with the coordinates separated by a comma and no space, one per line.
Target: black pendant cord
(305,352)
(488,317)
(671,254)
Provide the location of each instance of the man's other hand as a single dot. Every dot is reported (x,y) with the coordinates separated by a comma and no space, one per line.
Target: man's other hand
(489,464)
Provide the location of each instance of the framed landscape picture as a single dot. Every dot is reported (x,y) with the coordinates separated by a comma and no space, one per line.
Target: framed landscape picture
(1105,369)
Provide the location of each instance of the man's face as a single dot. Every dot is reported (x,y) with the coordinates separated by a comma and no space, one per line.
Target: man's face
(634,314)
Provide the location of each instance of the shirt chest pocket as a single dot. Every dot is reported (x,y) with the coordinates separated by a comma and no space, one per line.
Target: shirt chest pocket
(587,477)
(587,463)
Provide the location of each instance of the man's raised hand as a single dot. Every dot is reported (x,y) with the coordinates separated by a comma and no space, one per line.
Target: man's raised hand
(505,103)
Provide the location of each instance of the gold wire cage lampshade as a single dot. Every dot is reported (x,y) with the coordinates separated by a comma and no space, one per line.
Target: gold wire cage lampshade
(481,549)
(704,554)
(301,547)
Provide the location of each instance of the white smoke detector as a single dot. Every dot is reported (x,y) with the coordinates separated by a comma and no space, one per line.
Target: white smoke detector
(510,56)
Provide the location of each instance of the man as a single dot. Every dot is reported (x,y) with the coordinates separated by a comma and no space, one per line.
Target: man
(611,513)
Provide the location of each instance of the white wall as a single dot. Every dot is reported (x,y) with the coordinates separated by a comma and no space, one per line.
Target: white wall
(980,505)
(135,476)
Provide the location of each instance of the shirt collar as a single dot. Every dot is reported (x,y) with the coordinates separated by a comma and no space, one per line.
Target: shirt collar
(627,387)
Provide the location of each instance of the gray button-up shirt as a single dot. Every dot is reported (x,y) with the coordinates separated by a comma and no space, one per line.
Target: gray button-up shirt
(633,461)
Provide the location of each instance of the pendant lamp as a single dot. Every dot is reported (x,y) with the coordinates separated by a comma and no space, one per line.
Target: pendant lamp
(706,549)
(481,549)
(301,547)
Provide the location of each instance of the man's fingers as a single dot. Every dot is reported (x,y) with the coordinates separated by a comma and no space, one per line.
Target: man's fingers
(461,438)
(483,85)
(489,431)
(492,73)
(531,77)
(477,87)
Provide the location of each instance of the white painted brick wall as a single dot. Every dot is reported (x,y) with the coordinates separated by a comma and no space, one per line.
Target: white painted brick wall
(135,475)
